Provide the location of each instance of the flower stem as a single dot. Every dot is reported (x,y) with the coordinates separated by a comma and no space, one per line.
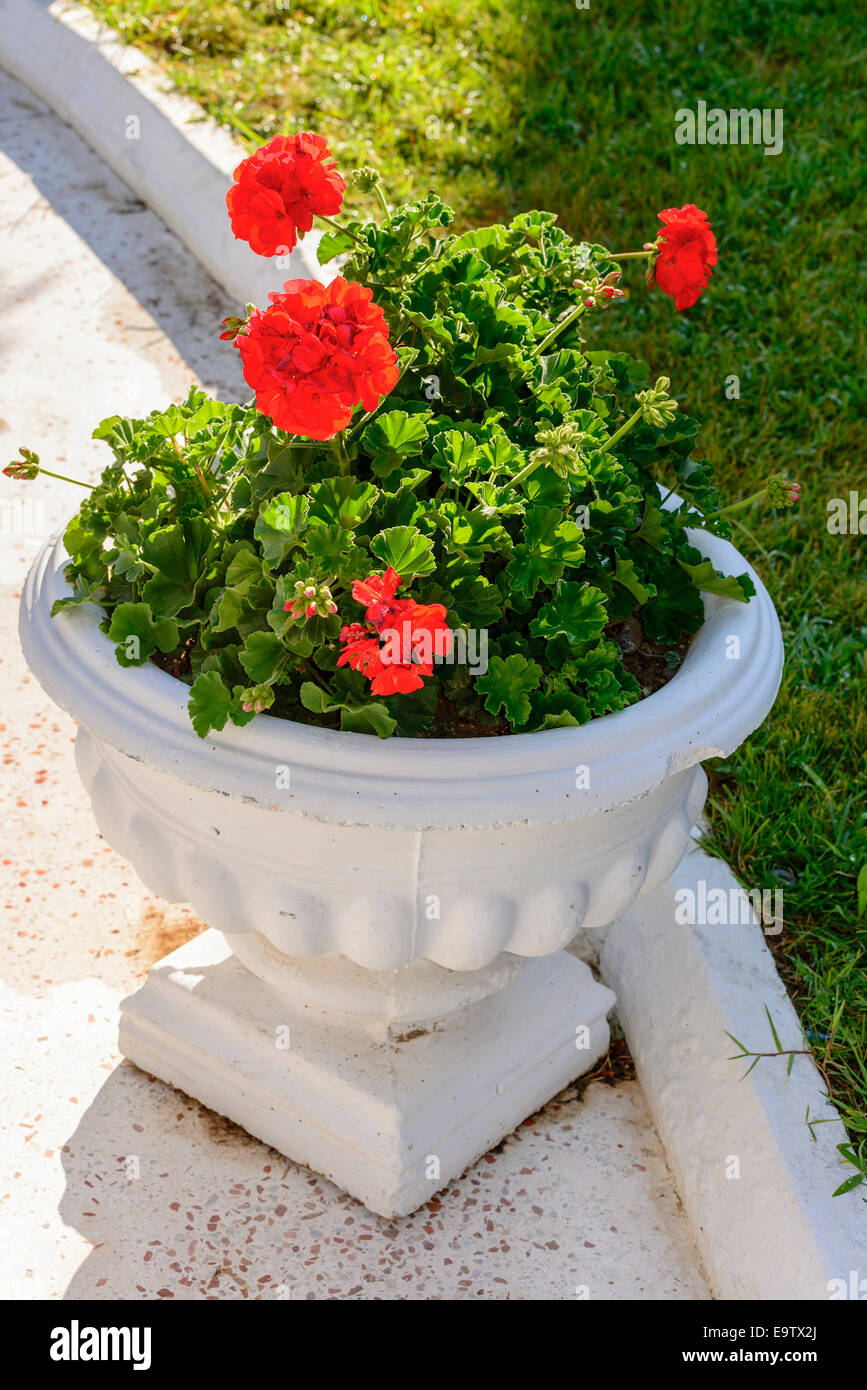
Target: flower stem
(557,330)
(63,478)
(735,506)
(340,453)
(630,255)
(381,196)
(524,473)
(618,434)
(337,227)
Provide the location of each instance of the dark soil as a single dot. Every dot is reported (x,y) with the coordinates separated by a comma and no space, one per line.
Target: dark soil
(651,665)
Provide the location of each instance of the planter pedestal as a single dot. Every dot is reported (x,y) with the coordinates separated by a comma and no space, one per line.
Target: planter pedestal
(384,992)
(390,1083)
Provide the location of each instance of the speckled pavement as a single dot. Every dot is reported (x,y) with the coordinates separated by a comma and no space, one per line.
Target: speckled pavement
(112,1185)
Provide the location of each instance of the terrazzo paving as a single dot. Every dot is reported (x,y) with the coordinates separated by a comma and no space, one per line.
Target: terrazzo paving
(111,1184)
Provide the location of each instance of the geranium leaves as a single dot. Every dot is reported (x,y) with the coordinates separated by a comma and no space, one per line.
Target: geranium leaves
(550,542)
(342,501)
(280,525)
(213,704)
(229,551)
(507,686)
(370,717)
(406,550)
(393,437)
(710,581)
(262,656)
(138,634)
(578,613)
(176,554)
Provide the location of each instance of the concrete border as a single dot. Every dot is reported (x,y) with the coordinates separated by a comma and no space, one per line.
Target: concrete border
(161,144)
(775,1231)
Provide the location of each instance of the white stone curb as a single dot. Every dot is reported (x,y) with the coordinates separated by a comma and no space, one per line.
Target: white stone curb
(181,162)
(775,1231)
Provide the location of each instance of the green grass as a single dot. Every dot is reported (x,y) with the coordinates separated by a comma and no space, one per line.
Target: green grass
(508,104)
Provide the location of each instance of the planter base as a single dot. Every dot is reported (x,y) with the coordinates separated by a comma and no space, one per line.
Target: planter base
(387,1109)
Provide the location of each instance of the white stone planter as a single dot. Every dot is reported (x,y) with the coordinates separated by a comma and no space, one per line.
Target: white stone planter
(391,994)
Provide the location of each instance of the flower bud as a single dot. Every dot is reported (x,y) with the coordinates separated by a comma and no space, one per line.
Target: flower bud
(257,698)
(311,600)
(780,492)
(364,179)
(27,467)
(657,408)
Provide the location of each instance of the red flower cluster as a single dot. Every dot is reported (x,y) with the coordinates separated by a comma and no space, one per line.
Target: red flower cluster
(687,250)
(316,353)
(413,633)
(279,189)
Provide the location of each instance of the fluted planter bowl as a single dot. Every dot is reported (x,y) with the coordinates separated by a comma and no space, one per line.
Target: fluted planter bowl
(354,877)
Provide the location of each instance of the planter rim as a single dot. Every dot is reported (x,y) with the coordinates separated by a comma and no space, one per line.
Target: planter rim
(709,706)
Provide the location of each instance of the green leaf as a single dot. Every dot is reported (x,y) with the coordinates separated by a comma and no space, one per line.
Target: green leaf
(138,635)
(471,534)
(371,718)
(280,525)
(507,684)
(862,893)
(774,1034)
(368,718)
(177,553)
(455,455)
(676,609)
(710,581)
(406,550)
(83,591)
(495,500)
(261,656)
(850,1183)
(609,691)
(333,244)
(415,712)
(247,595)
(330,548)
(342,501)
(578,613)
(212,704)
(563,720)
(393,437)
(624,573)
(476,601)
(551,541)
(314,698)
(651,530)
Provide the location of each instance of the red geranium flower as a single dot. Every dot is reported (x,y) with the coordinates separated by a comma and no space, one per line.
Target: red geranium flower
(315,354)
(687,250)
(279,189)
(378,594)
(413,633)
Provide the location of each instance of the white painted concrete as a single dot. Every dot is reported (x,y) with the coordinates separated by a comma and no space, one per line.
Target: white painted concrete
(756,1181)
(157,141)
(514,856)
(390,1113)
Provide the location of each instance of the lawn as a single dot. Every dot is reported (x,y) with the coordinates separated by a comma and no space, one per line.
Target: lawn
(502,105)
